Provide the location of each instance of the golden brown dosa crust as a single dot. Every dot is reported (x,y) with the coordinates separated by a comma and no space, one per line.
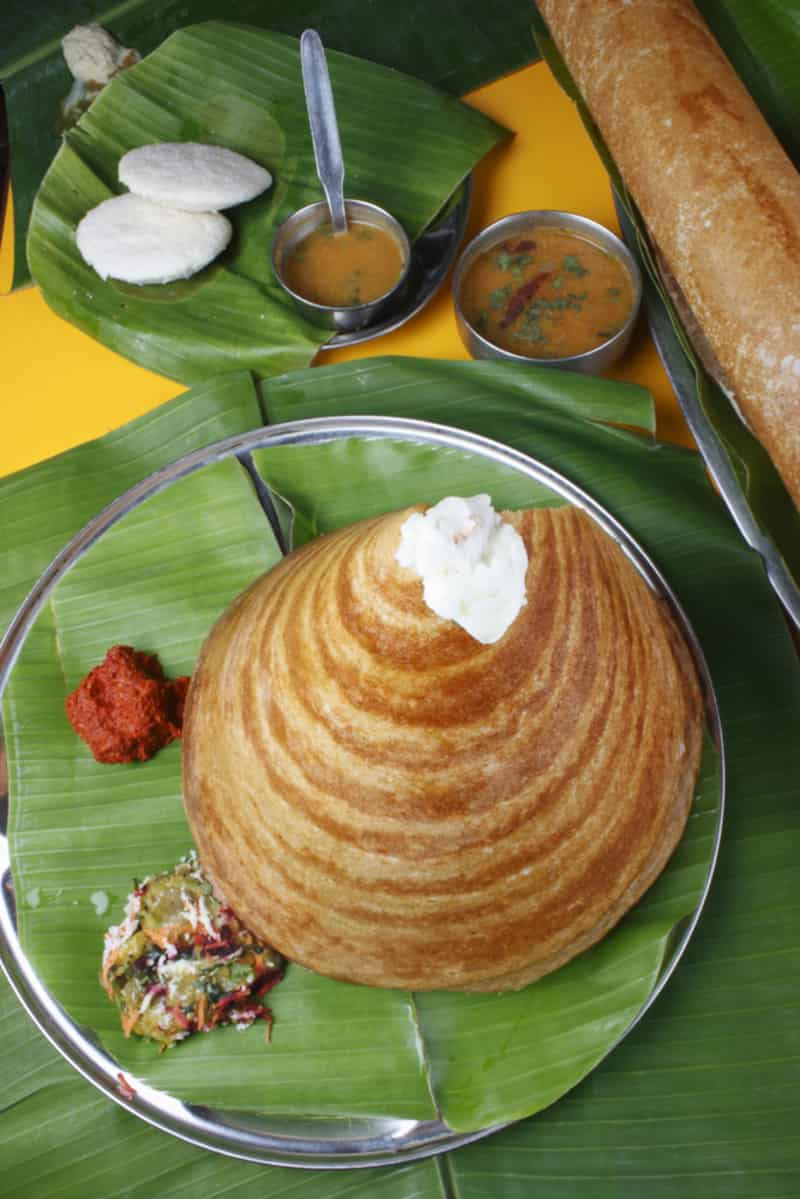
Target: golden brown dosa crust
(716,190)
(387,801)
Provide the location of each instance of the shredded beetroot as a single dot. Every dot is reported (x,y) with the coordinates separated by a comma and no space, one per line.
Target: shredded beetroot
(262,988)
(257,1012)
(521,297)
(180,1017)
(520,247)
(210,943)
(225,1002)
(253,1011)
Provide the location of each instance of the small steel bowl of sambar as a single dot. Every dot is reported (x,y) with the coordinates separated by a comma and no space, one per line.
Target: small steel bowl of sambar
(341,282)
(547,288)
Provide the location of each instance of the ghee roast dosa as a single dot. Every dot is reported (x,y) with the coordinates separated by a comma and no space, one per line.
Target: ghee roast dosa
(388,801)
(718,194)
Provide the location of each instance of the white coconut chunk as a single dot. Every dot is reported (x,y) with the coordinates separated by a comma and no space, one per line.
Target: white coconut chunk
(93,55)
(132,239)
(192,176)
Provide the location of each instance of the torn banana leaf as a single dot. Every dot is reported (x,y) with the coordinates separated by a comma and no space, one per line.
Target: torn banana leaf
(406,145)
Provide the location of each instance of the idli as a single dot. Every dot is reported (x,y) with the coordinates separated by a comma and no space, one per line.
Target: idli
(192,176)
(132,239)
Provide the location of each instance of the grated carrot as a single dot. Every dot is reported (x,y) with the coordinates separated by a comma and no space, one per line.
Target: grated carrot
(128,1021)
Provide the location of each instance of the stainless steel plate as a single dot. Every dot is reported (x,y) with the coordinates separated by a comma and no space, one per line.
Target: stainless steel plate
(309,1142)
(432,255)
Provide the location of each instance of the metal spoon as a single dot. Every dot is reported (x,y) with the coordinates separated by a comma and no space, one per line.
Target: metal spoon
(324,129)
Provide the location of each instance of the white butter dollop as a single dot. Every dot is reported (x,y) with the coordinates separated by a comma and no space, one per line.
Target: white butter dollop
(472,564)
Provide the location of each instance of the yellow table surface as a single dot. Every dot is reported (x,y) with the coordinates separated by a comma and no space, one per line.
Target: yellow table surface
(59,387)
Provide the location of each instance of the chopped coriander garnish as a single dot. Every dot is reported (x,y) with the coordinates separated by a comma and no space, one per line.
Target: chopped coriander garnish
(497,299)
(571,301)
(531,329)
(572,264)
(557,281)
(240,972)
(607,334)
(614,292)
(515,263)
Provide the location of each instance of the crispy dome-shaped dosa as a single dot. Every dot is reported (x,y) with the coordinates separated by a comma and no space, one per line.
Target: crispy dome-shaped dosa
(388,801)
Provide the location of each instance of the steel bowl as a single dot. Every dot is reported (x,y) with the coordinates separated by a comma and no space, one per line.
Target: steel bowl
(591,362)
(303,222)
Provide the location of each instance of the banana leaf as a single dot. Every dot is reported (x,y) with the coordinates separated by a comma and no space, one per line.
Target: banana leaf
(707,1069)
(72,488)
(453,46)
(407,148)
(763,43)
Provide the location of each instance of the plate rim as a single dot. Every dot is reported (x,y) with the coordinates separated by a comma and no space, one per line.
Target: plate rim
(410,1140)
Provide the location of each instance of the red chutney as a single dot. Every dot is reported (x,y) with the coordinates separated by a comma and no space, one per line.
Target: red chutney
(125,709)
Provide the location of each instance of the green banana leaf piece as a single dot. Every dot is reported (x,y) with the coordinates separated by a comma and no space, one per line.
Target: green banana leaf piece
(452,46)
(701,1096)
(45,505)
(763,43)
(406,145)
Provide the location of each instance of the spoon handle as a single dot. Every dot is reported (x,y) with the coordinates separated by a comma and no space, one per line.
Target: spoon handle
(324,129)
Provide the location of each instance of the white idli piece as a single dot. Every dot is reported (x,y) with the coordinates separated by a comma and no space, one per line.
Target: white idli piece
(192,176)
(132,239)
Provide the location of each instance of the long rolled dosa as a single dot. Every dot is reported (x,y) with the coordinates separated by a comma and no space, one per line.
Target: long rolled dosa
(716,190)
(388,801)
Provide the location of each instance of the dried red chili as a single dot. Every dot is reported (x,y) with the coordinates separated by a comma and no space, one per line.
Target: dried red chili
(125,709)
(521,297)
